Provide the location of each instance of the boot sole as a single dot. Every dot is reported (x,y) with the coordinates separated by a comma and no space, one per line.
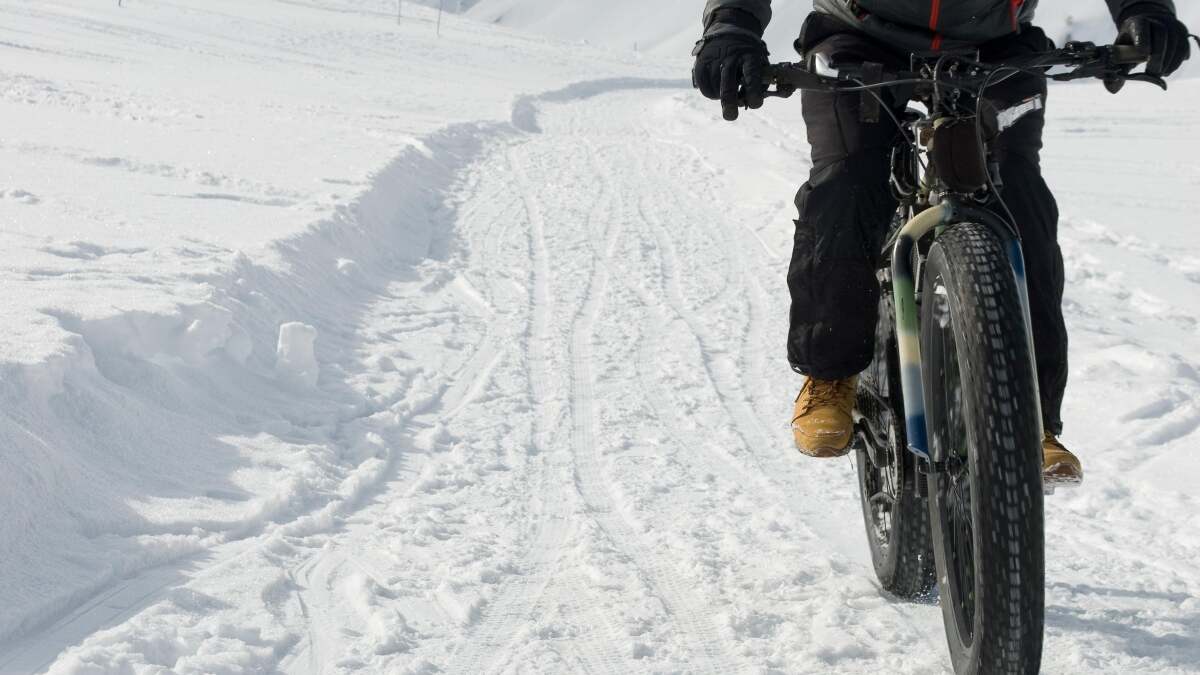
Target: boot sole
(824,451)
(1060,476)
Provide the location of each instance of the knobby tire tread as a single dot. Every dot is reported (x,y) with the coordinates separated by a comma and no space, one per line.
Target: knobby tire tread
(1000,411)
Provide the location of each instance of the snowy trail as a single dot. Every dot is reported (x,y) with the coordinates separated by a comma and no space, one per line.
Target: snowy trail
(577,413)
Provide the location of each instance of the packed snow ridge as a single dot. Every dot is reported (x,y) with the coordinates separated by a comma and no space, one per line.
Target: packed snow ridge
(333,345)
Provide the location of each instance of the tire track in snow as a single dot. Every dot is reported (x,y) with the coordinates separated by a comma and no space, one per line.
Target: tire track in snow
(774,472)
(692,623)
(318,647)
(743,460)
(695,627)
(745,467)
(598,655)
(506,613)
(727,378)
(489,354)
(115,604)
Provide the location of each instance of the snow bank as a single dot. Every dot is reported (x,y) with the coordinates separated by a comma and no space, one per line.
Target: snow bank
(168,220)
(157,436)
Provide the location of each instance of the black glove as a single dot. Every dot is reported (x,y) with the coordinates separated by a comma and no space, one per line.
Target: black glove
(731,62)
(1160,34)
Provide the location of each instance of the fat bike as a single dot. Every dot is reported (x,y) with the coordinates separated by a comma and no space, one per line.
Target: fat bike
(948,419)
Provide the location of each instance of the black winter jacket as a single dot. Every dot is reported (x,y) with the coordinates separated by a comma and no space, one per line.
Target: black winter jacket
(921,25)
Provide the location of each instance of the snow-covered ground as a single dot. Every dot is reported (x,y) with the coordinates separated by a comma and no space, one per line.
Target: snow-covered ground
(334,346)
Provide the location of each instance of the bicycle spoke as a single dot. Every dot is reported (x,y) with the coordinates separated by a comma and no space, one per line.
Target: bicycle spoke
(950,435)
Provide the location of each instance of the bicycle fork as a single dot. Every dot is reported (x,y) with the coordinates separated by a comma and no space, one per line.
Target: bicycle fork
(908,319)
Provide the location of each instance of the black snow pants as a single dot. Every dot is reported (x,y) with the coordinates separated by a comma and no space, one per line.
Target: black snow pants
(846,205)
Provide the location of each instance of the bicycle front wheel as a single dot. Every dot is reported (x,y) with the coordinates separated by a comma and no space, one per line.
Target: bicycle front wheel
(982,412)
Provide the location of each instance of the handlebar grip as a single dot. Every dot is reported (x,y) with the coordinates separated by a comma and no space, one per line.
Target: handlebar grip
(1129,55)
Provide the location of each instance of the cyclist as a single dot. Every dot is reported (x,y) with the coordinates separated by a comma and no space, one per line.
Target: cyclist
(846,205)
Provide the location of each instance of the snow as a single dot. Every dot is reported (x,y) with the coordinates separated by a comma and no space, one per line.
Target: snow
(664,27)
(296,358)
(334,346)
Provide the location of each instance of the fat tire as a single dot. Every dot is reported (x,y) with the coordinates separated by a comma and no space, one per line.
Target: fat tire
(968,274)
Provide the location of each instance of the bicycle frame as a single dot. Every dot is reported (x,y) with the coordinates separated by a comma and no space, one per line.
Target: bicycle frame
(951,211)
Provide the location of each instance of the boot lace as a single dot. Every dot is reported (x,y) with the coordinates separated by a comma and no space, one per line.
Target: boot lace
(1051,440)
(825,393)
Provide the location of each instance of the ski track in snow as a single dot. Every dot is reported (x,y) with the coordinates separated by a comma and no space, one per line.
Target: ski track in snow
(565,433)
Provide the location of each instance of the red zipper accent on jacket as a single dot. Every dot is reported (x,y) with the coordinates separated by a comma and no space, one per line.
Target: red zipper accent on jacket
(935,11)
(1015,9)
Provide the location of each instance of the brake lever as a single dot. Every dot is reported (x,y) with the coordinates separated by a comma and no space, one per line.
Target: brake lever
(1115,82)
(780,91)
(774,89)
(1149,79)
(1110,76)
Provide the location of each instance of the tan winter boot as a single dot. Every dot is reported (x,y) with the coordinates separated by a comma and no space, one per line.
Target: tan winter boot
(1060,468)
(823,423)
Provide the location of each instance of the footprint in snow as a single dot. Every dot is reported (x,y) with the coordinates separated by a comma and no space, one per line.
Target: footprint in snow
(1172,428)
(84,250)
(20,196)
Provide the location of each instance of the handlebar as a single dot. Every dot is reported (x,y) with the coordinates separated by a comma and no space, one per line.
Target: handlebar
(1086,60)
(1128,55)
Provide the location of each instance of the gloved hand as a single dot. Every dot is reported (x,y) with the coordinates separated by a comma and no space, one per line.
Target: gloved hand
(1160,34)
(730,64)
